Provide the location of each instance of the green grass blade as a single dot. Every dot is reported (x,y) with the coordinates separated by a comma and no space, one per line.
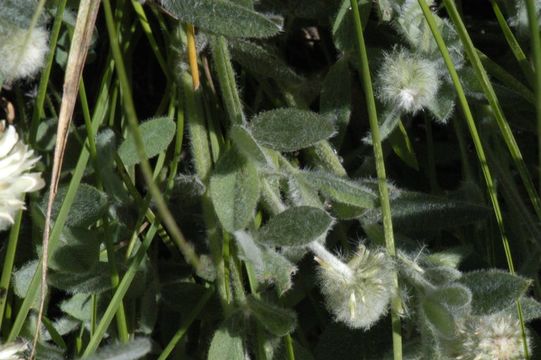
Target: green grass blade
(396,304)
(490,94)
(476,141)
(514,45)
(9,259)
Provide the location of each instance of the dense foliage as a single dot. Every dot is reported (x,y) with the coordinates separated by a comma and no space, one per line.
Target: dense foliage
(270,179)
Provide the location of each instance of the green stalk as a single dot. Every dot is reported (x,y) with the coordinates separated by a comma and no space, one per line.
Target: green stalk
(490,94)
(120,292)
(131,115)
(226,78)
(521,58)
(536,49)
(122,325)
(37,115)
(55,235)
(185,325)
(506,78)
(396,303)
(78,173)
(9,260)
(478,146)
(140,11)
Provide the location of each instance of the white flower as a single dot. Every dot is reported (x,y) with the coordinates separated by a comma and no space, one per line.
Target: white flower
(520,19)
(357,293)
(14,351)
(16,159)
(493,337)
(407,82)
(22,56)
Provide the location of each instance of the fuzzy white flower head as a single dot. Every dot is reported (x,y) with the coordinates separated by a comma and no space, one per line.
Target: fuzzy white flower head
(520,19)
(357,293)
(16,160)
(14,351)
(493,337)
(407,82)
(22,56)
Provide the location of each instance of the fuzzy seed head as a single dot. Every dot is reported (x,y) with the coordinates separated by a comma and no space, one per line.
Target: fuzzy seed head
(493,337)
(359,294)
(14,351)
(22,56)
(520,19)
(16,160)
(407,82)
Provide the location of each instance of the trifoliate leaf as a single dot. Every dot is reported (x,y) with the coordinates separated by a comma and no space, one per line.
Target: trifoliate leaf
(227,343)
(222,18)
(157,134)
(278,321)
(443,106)
(269,266)
(247,145)
(439,317)
(342,190)
(296,226)
(94,281)
(234,190)
(22,278)
(290,129)
(531,308)
(413,211)
(133,350)
(494,290)
(455,297)
(78,250)
(300,193)
(262,61)
(248,249)
(88,206)
(79,306)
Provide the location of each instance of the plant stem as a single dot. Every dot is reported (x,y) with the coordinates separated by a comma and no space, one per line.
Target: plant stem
(503,125)
(9,260)
(476,141)
(122,326)
(396,303)
(131,115)
(536,49)
(37,115)
(226,79)
(514,45)
(185,325)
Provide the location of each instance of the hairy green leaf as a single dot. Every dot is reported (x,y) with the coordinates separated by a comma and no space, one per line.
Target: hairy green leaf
(262,61)
(88,206)
(78,252)
(289,129)
(222,18)
(234,190)
(247,145)
(278,321)
(494,290)
(439,317)
(412,211)
(296,226)
(133,350)
(157,134)
(343,190)
(226,343)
